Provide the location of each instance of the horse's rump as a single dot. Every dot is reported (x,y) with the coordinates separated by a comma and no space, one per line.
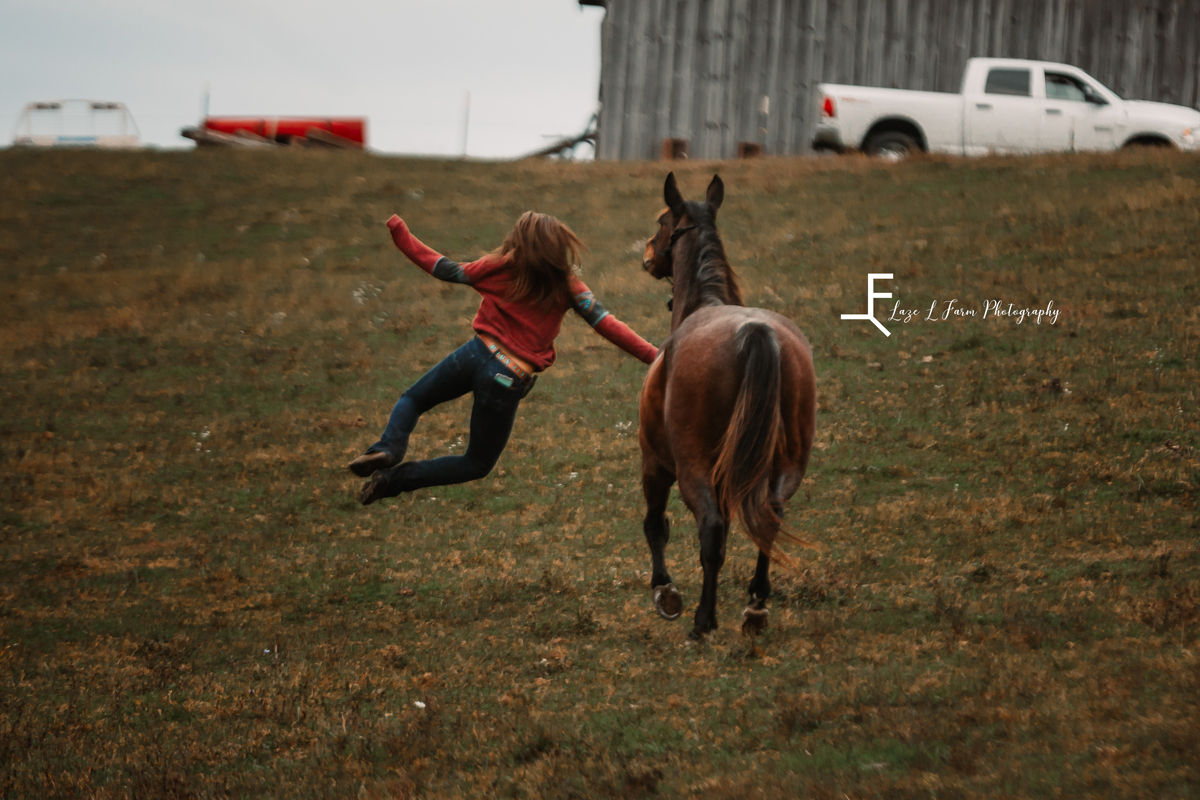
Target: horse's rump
(748,427)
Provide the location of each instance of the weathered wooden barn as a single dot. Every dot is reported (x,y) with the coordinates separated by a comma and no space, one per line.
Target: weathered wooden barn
(715,78)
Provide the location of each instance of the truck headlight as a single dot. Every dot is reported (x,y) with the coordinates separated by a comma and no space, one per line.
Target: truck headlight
(1187,136)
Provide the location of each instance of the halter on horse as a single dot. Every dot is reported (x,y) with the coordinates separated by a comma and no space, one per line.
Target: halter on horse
(728,410)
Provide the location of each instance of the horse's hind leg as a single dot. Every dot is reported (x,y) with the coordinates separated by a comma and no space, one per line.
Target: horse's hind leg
(714,530)
(756,615)
(656,485)
(754,618)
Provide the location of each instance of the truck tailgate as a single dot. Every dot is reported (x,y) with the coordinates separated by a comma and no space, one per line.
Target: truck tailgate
(858,109)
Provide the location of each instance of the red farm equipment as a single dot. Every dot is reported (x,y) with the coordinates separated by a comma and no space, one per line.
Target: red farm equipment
(344,132)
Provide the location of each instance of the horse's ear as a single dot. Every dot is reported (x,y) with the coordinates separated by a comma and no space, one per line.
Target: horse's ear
(672,196)
(715,193)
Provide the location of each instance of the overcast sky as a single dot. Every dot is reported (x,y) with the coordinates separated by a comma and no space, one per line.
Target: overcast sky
(532,67)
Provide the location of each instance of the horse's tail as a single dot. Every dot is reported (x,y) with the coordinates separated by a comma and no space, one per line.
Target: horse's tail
(741,476)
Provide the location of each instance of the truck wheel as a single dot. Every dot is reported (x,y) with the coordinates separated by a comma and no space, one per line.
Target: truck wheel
(891,145)
(1147,142)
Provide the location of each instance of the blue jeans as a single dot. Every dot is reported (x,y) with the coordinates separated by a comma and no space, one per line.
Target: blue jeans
(498,392)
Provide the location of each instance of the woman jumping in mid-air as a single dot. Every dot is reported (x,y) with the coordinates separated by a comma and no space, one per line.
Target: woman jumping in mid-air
(527,286)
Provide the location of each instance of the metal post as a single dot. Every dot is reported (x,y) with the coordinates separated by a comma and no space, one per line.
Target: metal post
(466,122)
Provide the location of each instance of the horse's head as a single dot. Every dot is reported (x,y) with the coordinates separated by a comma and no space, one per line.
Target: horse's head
(679,217)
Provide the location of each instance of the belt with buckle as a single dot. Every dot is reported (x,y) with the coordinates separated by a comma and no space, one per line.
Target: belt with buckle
(507,360)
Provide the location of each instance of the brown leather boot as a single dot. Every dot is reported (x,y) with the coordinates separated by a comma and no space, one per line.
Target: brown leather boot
(374,489)
(369,463)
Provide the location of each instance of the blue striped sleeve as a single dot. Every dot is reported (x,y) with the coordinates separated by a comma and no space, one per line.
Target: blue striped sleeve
(450,272)
(587,306)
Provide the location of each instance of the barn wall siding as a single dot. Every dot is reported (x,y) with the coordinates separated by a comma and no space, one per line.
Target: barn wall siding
(699,69)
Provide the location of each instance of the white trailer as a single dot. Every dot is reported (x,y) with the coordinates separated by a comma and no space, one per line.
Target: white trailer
(76,123)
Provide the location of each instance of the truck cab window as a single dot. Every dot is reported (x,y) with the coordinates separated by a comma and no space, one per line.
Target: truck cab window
(1064,87)
(1008,81)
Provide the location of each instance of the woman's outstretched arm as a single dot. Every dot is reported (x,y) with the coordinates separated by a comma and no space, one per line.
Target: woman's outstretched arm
(425,256)
(587,306)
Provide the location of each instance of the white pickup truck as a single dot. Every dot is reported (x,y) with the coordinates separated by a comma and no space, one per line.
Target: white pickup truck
(1007,105)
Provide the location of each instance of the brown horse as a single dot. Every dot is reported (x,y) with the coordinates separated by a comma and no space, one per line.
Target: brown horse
(728,410)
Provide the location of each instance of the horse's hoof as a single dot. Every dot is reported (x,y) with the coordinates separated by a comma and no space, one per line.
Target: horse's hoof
(668,602)
(754,620)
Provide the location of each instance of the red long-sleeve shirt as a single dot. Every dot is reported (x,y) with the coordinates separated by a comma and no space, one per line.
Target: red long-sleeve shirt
(525,331)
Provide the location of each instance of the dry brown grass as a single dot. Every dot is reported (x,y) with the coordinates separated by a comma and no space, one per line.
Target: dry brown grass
(192,345)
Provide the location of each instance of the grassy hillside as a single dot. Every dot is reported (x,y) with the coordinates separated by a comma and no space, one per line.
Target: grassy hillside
(193,345)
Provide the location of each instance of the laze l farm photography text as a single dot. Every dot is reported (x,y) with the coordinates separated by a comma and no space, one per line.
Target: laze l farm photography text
(945,310)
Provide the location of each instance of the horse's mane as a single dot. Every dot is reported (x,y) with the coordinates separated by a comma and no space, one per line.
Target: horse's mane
(713,282)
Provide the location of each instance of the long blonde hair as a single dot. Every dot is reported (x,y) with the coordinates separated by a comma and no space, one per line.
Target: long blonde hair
(542,252)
